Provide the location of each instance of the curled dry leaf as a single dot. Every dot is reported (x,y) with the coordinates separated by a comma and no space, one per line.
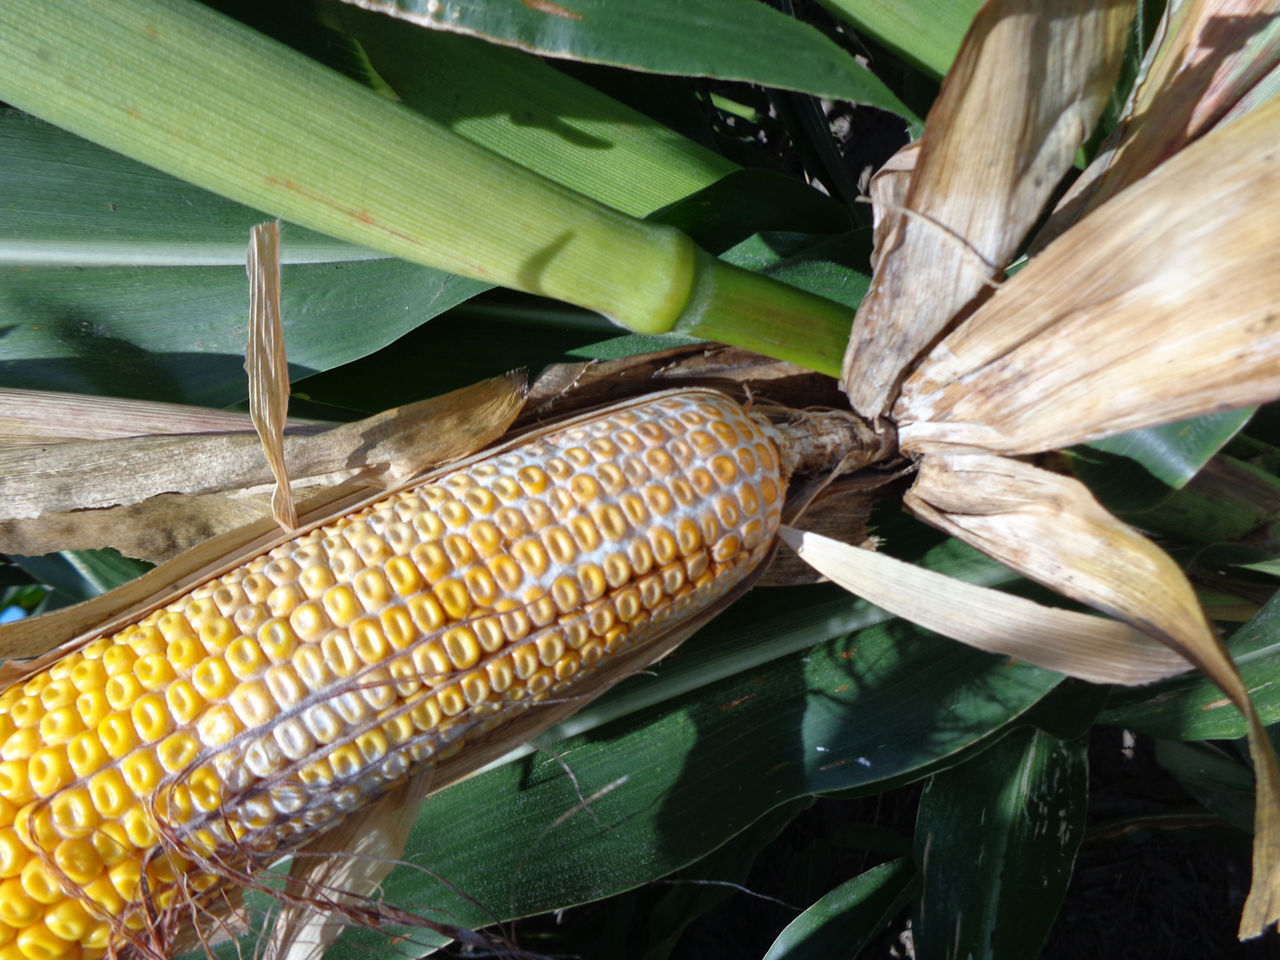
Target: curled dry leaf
(176,478)
(266,365)
(1091,648)
(1205,60)
(1022,96)
(1159,306)
(1051,529)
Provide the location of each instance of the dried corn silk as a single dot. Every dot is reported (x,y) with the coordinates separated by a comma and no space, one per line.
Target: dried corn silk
(256,710)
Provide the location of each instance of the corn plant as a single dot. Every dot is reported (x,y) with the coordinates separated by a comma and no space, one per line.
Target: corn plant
(673,170)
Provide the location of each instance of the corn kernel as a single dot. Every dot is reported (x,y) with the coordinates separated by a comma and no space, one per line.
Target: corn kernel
(78,859)
(109,793)
(41,943)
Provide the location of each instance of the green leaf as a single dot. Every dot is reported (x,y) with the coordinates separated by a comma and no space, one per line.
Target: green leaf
(1190,707)
(1222,783)
(76,575)
(723,39)
(843,921)
(996,839)
(924,32)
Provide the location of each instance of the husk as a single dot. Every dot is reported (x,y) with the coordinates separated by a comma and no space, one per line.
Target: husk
(1051,529)
(1206,58)
(265,363)
(1092,648)
(1022,96)
(1161,305)
(196,481)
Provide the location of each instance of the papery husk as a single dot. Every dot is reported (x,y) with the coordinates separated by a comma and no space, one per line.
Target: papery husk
(105,476)
(1050,528)
(1023,94)
(266,365)
(39,417)
(1206,58)
(407,439)
(1161,305)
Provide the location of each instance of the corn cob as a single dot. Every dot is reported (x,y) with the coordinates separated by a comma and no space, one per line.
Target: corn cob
(140,771)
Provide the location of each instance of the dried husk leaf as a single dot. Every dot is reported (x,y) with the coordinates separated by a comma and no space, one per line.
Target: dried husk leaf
(1091,648)
(1051,529)
(405,440)
(266,365)
(1025,90)
(378,451)
(1204,61)
(1161,305)
(38,417)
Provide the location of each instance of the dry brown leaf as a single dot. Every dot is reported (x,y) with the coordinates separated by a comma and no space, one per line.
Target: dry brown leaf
(34,417)
(421,435)
(1023,94)
(265,363)
(1051,529)
(1077,644)
(1159,306)
(1204,61)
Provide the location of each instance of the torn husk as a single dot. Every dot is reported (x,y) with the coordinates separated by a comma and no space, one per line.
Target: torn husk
(1023,94)
(1050,528)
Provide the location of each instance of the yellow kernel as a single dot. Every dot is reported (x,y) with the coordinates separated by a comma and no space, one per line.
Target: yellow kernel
(78,859)
(560,546)
(500,673)
(49,770)
(276,640)
(428,525)
(151,717)
(451,701)
(550,646)
(489,633)
(59,693)
(584,533)
(431,561)
(565,594)
(38,883)
(213,678)
(34,824)
(118,659)
(315,580)
(228,597)
(139,828)
(590,577)
(664,545)
(726,548)
(68,922)
(280,570)
(524,660)
(92,707)
(185,652)
(285,686)
(511,522)
(372,745)
(41,943)
(475,687)
(459,550)
(346,761)
(748,498)
(244,657)
(183,701)
(404,576)
(406,674)
(73,813)
(126,877)
(453,596)
(398,730)
(309,620)
(21,744)
(633,507)
(88,675)
(515,624)
(651,594)
(218,725)
(769,491)
(376,692)
(540,681)
(481,586)
(505,488)
(104,895)
(542,610)
(122,690)
(248,619)
(533,479)
(627,603)
(206,790)
(683,491)
(723,469)
(252,703)
(117,735)
(373,589)
(309,662)
(557,469)
(177,751)
(141,772)
(462,647)
(16,908)
(109,793)
(339,655)
(659,462)
(154,671)
(696,566)
(506,573)
(282,601)
(15,783)
(566,666)
(215,634)
(344,562)
(323,723)
(169,627)
(538,514)
(746,459)
(13,855)
(371,547)
(658,500)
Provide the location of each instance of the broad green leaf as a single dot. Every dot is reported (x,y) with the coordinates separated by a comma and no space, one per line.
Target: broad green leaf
(996,839)
(76,575)
(924,32)
(724,39)
(1192,708)
(843,921)
(1222,783)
